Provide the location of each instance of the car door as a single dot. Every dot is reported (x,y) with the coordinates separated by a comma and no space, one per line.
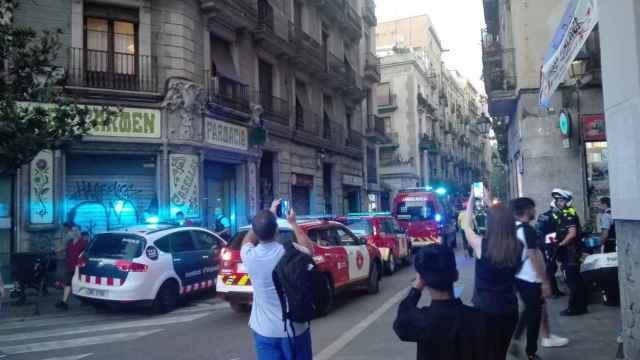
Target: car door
(400,238)
(186,260)
(388,236)
(208,246)
(358,256)
(333,254)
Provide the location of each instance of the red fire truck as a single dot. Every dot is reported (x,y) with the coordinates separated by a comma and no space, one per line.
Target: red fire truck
(421,215)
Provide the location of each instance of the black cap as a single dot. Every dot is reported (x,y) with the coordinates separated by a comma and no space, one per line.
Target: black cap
(436,264)
(265,225)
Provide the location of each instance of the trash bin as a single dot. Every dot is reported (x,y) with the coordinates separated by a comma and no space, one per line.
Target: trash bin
(601,272)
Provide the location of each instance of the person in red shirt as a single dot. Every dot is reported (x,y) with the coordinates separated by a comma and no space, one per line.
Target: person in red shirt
(76,243)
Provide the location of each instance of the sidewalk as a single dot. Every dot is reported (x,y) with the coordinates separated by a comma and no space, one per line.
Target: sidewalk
(46,306)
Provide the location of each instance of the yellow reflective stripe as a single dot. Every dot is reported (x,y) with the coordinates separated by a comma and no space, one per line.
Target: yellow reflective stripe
(243,280)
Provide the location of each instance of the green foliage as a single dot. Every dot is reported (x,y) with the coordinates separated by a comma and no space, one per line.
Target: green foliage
(498,182)
(29,75)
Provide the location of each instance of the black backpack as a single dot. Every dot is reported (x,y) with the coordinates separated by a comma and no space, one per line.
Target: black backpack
(295,277)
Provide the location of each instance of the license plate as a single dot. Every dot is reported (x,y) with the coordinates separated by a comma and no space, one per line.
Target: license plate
(241,268)
(95,292)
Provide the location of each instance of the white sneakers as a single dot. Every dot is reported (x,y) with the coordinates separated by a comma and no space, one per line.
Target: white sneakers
(554,341)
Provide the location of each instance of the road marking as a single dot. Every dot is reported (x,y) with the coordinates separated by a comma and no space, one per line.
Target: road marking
(330,351)
(87,341)
(97,328)
(72,357)
(202,307)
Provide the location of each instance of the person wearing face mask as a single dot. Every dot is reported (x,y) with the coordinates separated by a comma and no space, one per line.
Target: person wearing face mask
(570,251)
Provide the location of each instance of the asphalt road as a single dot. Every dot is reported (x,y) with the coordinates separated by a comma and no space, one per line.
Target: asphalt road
(359,327)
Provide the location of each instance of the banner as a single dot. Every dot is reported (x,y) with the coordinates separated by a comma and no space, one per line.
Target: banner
(594,128)
(184,181)
(577,22)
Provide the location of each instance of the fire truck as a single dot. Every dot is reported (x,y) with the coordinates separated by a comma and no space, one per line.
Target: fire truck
(421,215)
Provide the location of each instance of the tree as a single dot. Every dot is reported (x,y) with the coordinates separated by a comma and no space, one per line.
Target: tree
(498,181)
(28,74)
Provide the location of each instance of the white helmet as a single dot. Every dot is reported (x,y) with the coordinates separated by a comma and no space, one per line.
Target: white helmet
(558,193)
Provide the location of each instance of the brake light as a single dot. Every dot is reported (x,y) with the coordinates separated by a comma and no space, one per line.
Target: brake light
(225,255)
(129,266)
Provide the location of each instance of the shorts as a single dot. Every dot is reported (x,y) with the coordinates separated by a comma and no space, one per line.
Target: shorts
(68,278)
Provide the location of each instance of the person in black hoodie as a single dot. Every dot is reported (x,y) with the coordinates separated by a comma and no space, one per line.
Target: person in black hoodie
(447,329)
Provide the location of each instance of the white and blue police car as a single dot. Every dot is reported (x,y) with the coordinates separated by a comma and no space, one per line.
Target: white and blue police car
(152,264)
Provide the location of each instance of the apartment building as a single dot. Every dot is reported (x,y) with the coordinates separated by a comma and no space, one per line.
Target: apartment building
(223,104)
(430,113)
(540,156)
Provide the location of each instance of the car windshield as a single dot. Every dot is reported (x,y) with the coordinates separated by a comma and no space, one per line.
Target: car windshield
(360,227)
(416,210)
(116,246)
(283,236)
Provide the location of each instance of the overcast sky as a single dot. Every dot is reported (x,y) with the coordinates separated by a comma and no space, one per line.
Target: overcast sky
(458,24)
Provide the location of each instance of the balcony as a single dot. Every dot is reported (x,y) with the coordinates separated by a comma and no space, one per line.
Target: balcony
(375,129)
(307,54)
(269,33)
(354,139)
(274,108)
(228,93)
(372,68)
(336,71)
(352,23)
(112,70)
(352,84)
(333,132)
(343,14)
(387,101)
(369,13)
(232,14)
(428,143)
(392,140)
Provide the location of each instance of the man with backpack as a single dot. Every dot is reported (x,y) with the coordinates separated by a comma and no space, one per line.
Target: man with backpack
(261,254)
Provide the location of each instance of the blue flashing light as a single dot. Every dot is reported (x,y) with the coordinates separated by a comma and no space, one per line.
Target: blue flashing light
(438,217)
(441,191)
(118,206)
(152,220)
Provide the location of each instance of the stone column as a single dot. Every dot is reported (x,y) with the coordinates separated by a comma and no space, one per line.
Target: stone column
(620,19)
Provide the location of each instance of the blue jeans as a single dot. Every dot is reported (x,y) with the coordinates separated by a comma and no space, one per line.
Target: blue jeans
(268,348)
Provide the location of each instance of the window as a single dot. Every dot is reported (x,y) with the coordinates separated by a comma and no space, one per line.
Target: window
(387,227)
(204,241)
(181,242)
(388,129)
(384,94)
(116,246)
(360,227)
(386,155)
(323,237)
(110,45)
(416,210)
(346,238)
(164,244)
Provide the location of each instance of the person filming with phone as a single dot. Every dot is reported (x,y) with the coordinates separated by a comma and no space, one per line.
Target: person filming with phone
(498,259)
(260,254)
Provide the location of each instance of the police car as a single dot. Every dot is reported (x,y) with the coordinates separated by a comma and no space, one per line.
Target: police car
(346,261)
(148,264)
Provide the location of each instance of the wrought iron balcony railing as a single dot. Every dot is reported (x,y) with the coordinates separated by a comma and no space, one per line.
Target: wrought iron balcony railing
(228,92)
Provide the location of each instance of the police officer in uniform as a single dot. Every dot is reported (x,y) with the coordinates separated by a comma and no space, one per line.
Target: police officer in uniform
(546,225)
(222,225)
(570,251)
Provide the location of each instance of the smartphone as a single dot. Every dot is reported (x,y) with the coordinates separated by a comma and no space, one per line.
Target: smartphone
(283,209)
(478,190)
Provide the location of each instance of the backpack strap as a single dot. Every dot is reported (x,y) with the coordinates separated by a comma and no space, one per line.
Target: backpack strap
(524,247)
(281,297)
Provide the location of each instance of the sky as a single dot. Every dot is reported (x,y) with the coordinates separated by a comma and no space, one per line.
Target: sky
(458,24)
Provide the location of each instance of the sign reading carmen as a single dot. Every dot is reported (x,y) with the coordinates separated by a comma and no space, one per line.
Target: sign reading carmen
(225,134)
(127,122)
(130,122)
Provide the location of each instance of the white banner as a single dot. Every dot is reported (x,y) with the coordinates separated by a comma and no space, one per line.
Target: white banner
(184,182)
(577,23)
(41,188)
(224,134)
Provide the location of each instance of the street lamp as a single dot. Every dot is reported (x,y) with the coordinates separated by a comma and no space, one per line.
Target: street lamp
(484,125)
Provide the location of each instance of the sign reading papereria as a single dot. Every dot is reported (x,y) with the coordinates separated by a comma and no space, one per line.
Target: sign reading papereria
(224,134)
(129,122)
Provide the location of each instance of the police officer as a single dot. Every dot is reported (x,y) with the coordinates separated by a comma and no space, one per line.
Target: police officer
(545,226)
(570,251)
(222,225)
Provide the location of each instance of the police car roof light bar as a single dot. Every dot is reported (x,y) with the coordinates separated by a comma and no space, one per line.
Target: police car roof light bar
(418,189)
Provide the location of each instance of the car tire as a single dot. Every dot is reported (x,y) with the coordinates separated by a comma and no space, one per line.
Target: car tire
(239,308)
(390,264)
(328,297)
(373,284)
(166,298)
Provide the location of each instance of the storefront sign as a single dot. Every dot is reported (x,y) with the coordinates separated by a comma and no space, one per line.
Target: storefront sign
(184,179)
(302,180)
(352,180)
(593,127)
(41,188)
(224,134)
(126,122)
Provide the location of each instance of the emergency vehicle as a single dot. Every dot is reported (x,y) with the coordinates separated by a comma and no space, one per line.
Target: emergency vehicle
(346,260)
(421,215)
(149,264)
(382,231)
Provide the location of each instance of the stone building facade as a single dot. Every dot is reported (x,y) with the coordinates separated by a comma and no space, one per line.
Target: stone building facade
(221,104)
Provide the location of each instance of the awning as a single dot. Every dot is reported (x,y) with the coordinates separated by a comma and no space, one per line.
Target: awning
(221,57)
